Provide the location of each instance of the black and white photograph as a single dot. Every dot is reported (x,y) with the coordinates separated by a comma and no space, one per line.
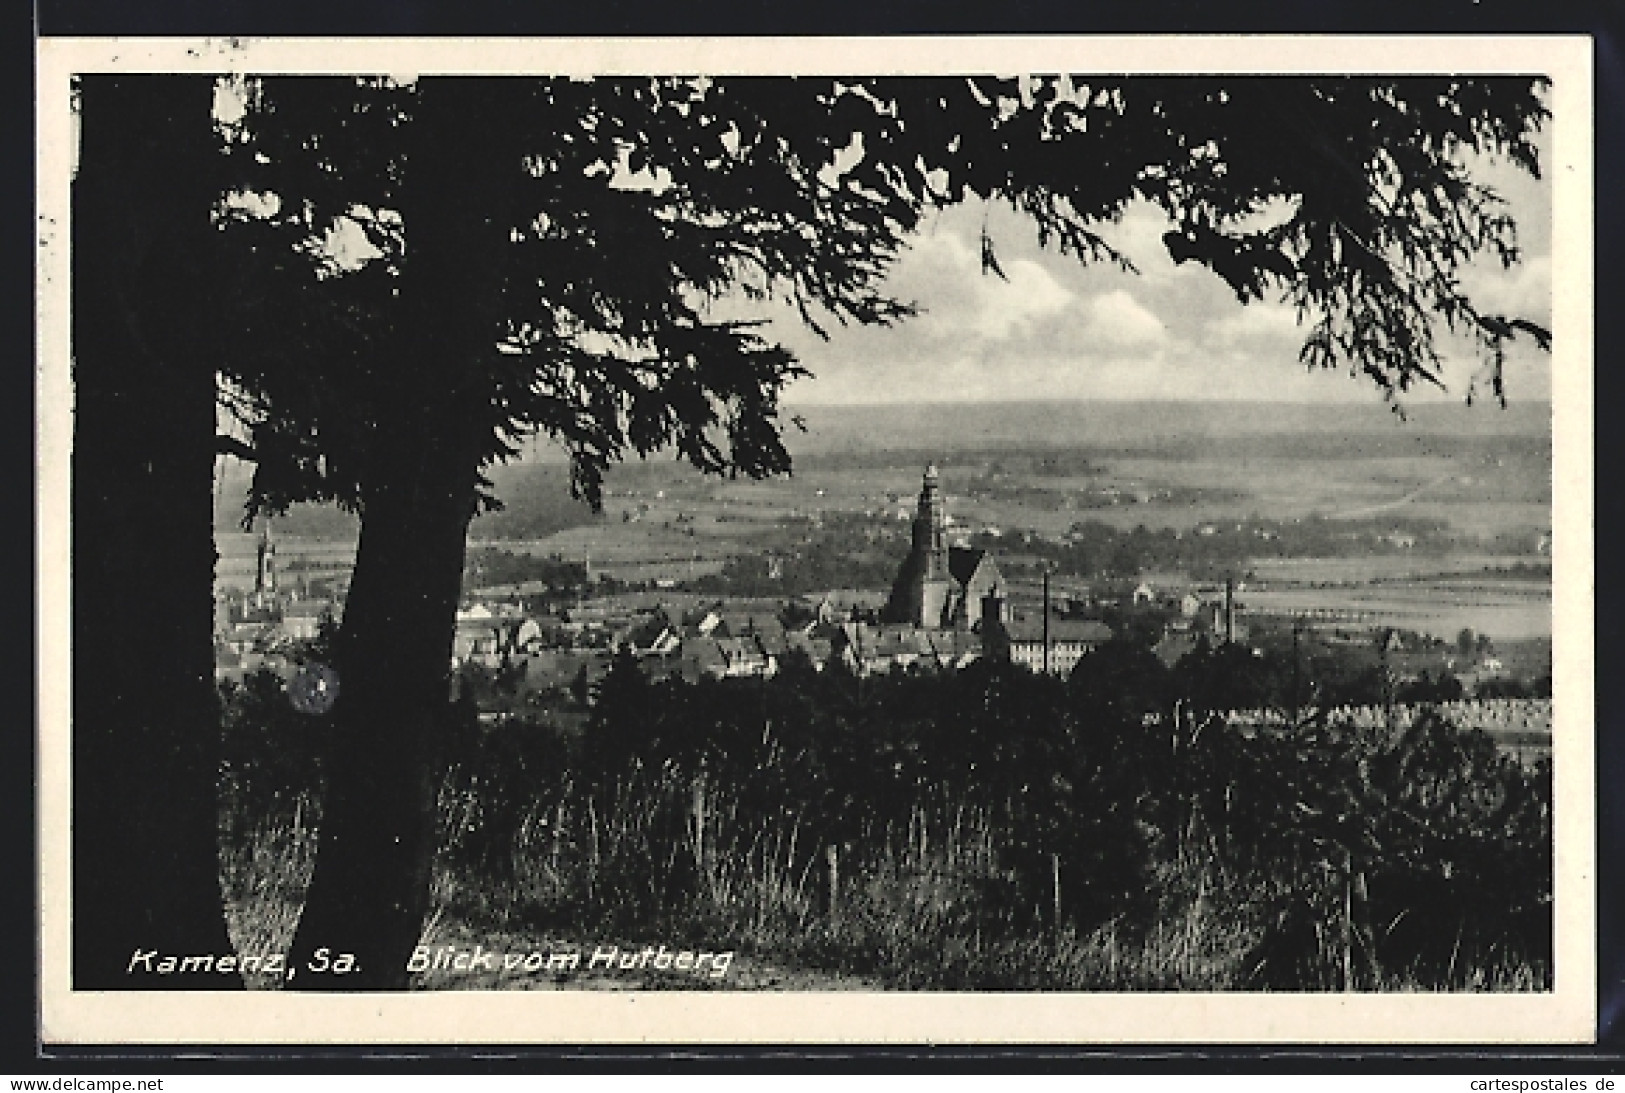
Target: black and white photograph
(1067,540)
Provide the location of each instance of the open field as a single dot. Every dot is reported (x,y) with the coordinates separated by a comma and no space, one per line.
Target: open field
(1483,471)
(315,557)
(1510,610)
(1483,474)
(1207,425)
(1389,568)
(1440,596)
(642,551)
(1044,466)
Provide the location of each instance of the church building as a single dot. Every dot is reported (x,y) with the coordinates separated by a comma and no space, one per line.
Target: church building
(265,569)
(943,586)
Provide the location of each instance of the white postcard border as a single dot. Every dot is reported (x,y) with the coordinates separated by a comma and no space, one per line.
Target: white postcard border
(1565,1015)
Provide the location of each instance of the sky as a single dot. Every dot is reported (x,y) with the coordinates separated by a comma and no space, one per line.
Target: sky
(1057,329)
(1054,328)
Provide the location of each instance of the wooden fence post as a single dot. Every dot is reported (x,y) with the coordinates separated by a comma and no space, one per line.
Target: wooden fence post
(832,864)
(558,837)
(1348,920)
(701,858)
(1055,887)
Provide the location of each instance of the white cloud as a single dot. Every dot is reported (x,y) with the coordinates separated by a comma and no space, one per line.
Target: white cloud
(1061,329)
(1118,318)
(959,300)
(1029,294)
(1524,291)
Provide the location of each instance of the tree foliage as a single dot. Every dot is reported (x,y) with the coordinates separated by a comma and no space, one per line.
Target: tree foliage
(615,225)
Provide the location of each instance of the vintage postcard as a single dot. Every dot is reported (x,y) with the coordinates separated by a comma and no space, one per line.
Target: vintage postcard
(956,540)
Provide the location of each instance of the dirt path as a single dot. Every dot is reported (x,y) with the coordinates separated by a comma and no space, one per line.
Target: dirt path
(1372,510)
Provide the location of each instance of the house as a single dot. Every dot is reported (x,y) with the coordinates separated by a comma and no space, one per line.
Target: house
(654,634)
(1221,626)
(228,664)
(478,635)
(303,621)
(744,657)
(238,666)
(665,643)
(724,658)
(702,657)
(528,637)
(1174,646)
(739,624)
(1069,640)
(250,637)
(815,649)
(557,671)
(838,604)
(870,650)
(587,615)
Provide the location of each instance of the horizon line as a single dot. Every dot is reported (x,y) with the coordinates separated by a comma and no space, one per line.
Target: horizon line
(1408,405)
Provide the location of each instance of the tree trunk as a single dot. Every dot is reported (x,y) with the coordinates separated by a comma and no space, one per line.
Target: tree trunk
(374,866)
(145,727)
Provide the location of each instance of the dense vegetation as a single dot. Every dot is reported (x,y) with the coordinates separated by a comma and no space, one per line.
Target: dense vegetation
(1094,548)
(848,550)
(486,566)
(991,828)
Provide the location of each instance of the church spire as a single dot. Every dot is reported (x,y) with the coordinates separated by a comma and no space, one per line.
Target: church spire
(929,594)
(265,569)
(931,527)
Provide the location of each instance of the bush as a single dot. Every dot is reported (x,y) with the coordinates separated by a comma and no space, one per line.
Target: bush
(990,828)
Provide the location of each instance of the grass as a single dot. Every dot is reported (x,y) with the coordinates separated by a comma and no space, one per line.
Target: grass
(266,861)
(928,904)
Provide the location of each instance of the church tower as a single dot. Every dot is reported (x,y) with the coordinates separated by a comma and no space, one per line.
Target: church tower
(932,581)
(265,567)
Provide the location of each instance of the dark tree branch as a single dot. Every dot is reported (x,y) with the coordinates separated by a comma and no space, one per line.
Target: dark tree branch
(230,445)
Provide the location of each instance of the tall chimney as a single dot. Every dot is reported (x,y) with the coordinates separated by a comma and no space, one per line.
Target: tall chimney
(1046,620)
(1229,610)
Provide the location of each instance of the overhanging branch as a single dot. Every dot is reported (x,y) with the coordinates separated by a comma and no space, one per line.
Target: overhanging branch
(230,445)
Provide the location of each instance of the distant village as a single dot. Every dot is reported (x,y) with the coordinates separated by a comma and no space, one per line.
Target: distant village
(948,605)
